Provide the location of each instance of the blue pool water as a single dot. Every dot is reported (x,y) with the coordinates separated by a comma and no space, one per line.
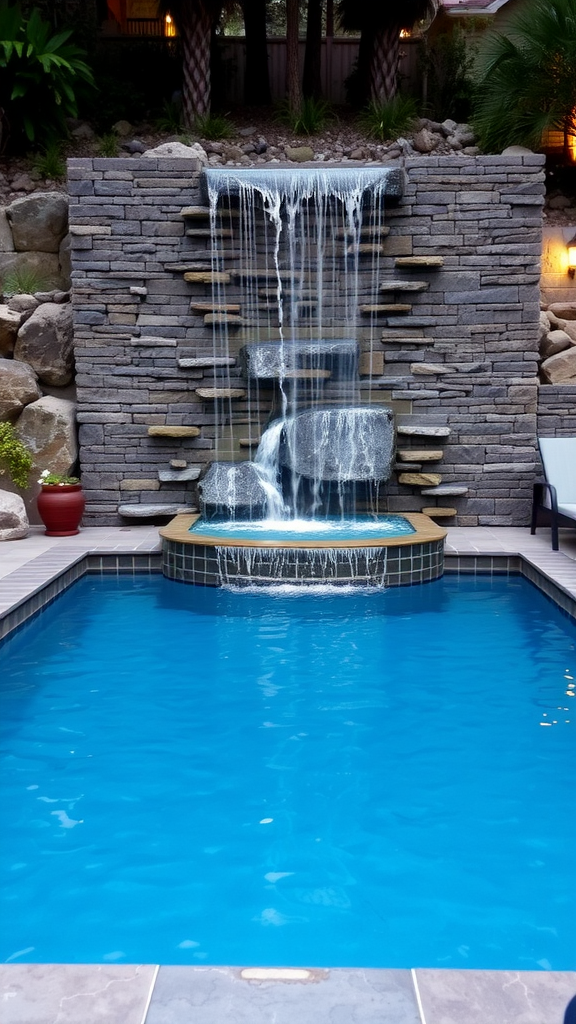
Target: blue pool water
(197,776)
(341,529)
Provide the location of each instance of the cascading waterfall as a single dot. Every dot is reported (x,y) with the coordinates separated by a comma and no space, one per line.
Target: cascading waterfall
(300,233)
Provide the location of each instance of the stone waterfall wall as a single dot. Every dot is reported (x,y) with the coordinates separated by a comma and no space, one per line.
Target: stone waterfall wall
(458,366)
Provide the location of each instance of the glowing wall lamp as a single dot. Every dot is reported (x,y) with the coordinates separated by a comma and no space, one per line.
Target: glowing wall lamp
(169,26)
(571,246)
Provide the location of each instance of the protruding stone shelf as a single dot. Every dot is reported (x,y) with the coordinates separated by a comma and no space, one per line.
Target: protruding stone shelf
(141,511)
(208,233)
(439,512)
(381,231)
(212,394)
(179,475)
(419,262)
(261,275)
(447,490)
(420,454)
(305,375)
(194,266)
(406,341)
(386,308)
(205,362)
(194,212)
(162,430)
(224,320)
(422,430)
(420,480)
(154,342)
(213,277)
(249,442)
(215,307)
(404,286)
(366,249)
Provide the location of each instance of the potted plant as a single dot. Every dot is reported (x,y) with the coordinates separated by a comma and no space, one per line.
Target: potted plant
(61,503)
(15,458)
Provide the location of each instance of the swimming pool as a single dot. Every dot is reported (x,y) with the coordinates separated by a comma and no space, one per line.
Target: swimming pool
(199,776)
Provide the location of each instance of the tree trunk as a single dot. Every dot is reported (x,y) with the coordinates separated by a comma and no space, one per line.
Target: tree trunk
(196,36)
(256,78)
(293,86)
(312,80)
(384,64)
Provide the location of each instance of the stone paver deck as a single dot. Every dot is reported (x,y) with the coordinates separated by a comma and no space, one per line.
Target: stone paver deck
(148,994)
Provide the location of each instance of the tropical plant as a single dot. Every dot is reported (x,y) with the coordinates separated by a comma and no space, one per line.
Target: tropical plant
(51,163)
(446,64)
(170,119)
(213,126)
(528,78)
(380,25)
(385,121)
(40,76)
(15,458)
(195,20)
(312,117)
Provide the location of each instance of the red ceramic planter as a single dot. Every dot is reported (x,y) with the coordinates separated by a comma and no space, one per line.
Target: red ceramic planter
(61,507)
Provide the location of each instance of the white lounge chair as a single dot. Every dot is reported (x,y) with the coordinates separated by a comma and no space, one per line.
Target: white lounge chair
(554,499)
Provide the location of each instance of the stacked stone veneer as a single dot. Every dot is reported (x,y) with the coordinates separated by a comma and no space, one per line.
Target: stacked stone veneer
(458,367)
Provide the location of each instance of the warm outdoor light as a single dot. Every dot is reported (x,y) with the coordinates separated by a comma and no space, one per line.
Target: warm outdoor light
(572,257)
(169,26)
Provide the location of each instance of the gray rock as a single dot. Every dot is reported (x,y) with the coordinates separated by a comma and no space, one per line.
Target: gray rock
(233,489)
(45,341)
(83,131)
(340,444)
(9,323)
(299,154)
(178,149)
(134,146)
(123,129)
(6,240)
(64,260)
(449,127)
(23,183)
(554,342)
(566,310)
(22,303)
(13,518)
(425,141)
(561,368)
(18,388)
(516,151)
(247,132)
(38,222)
(48,428)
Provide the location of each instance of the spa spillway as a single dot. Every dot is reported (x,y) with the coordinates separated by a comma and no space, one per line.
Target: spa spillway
(383,551)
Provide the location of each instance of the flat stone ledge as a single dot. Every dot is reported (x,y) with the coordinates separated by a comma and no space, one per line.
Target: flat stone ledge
(75,993)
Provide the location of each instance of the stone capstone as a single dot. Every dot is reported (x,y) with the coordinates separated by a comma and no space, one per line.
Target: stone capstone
(339,444)
(48,428)
(13,518)
(9,324)
(46,342)
(39,222)
(18,387)
(234,489)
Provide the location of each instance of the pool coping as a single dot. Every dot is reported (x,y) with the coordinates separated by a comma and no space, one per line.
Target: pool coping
(161,994)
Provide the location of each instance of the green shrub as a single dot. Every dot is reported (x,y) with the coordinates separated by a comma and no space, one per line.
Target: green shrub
(213,127)
(170,119)
(108,145)
(386,121)
(313,116)
(40,76)
(446,65)
(15,459)
(50,163)
(22,281)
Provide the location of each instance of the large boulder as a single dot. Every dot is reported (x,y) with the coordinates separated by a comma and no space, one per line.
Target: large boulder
(42,267)
(6,240)
(565,310)
(9,324)
(561,368)
(46,342)
(234,490)
(48,428)
(340,444)
(39,222)
(554,342)
(18,388)
(13,518)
